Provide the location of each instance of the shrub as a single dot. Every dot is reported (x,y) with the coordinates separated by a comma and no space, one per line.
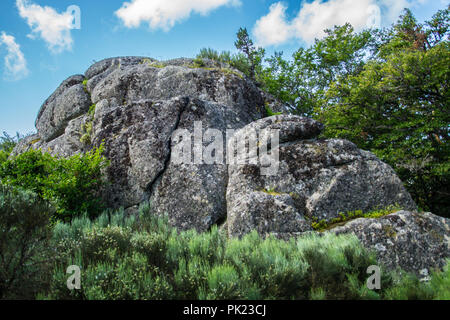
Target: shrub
(440,283)
(24,243)
(142,257)
(7,144)
(223,283)
(270,113)
(238,61)
(408,287)
(71,185)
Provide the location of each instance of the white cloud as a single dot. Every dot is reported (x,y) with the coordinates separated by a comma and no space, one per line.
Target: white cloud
(46,23)
(314,17)
(273,29)
(391,9)
(163,14)
(15,62)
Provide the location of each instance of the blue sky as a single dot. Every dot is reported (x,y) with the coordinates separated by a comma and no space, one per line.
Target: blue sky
(39,47)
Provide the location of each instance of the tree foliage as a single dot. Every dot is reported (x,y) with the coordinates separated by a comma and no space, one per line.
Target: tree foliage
(302,82)
(253,55)
(24,243)
(398,107)
(72,184)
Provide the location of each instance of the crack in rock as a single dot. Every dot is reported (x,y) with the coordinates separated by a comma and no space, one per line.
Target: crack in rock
(153,184)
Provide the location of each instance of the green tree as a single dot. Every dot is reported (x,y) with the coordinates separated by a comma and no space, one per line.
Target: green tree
(209,53)
(386,90)
(7,144)
(24,243)
(398,107)
(254,56)
(303,81)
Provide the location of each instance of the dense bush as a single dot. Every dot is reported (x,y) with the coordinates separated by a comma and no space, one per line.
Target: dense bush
(143,258)
(409,287)
(71,184)
(7,144)
(24,244)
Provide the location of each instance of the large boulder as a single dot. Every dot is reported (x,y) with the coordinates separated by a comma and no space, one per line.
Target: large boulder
(316,179)
(69,101)
(415,242)
(133,105)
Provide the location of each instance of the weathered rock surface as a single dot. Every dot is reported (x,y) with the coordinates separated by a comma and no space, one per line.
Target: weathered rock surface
(315,179)
(416,242)
(69,101)
(140,103)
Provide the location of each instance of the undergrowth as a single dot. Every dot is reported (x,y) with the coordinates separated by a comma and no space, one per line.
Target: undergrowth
(142,257)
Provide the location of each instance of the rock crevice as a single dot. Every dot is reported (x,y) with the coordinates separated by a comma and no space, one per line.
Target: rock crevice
(157,178)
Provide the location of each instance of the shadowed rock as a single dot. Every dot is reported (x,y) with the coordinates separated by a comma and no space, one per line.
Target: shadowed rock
(416,242)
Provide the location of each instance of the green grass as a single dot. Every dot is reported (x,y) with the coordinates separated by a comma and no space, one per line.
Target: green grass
(91,111)
(271,191)
(85,81)
(71,184)
(324,225)
(270,113)
(142,257)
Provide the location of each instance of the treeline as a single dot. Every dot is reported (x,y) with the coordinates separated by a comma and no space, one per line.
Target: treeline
(385,90)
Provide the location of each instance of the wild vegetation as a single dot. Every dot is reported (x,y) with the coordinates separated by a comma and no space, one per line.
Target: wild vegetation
(71,185)
(7,144)
(385,90)
(323,225)
(142,257)
(25,232)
